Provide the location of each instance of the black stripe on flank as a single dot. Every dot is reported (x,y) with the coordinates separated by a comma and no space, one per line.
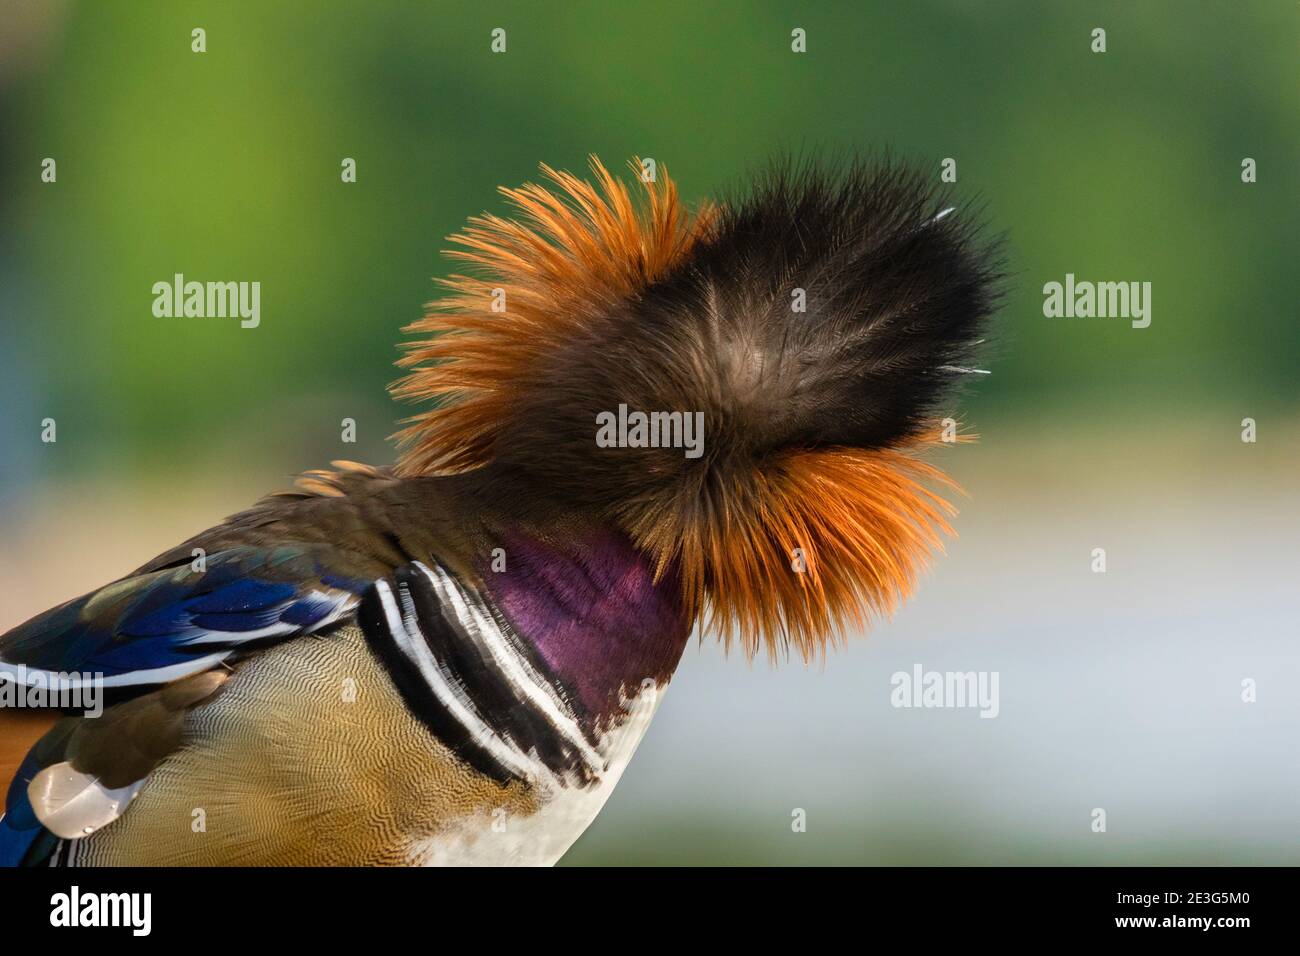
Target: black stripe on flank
(418,696)
(499,703)
(585,719)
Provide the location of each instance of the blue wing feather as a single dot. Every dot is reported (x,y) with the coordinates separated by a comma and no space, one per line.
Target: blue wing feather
(23,839)
(155,625)
(158,626)
(168,620)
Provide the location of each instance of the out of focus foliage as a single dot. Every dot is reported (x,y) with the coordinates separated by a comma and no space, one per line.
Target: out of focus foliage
(226,165)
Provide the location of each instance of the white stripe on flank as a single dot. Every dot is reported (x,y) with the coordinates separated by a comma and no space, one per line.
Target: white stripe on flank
(413,646)
(343,602)
(542,837)
(521,675)
(206,635)
(156,675)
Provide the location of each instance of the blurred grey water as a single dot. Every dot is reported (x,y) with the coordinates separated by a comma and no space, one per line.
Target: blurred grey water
(1119,690)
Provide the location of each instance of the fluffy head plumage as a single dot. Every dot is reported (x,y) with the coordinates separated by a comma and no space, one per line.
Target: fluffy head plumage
(806,510)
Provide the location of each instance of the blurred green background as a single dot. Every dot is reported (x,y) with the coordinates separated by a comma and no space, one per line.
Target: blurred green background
(1117,166)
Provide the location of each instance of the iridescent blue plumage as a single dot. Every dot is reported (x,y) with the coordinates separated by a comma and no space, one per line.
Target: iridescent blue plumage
(152,626)
(22,837)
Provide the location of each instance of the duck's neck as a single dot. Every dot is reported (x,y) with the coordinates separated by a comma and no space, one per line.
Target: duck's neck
(590,606)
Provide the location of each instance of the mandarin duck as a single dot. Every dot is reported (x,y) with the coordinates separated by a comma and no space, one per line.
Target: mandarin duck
(642,418)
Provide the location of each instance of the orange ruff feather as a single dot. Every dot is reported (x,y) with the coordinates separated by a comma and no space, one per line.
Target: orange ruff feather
(788,554)
(817,541)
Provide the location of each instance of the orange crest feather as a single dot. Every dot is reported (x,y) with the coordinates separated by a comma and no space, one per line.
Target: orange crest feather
(788,554)
(580,250)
